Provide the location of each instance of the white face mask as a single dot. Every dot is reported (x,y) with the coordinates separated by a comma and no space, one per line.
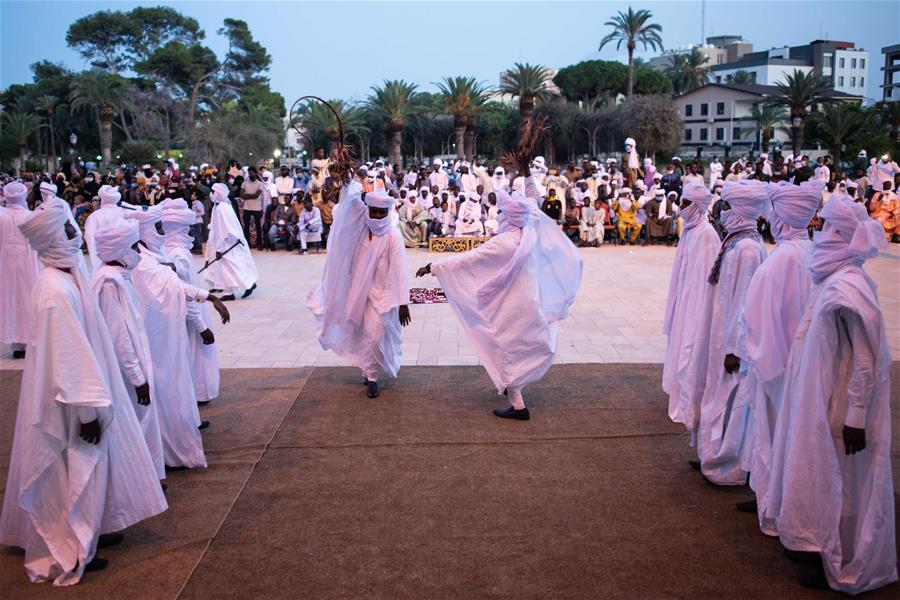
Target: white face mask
(130,259)
(730,220)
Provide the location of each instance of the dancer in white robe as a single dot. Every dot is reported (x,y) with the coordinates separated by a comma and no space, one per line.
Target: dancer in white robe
(776,301)
(510,294)
(688,308)
(362,300)
(831,484)
(177,221)
(19,269)
(79,465)
(118,303)
(164,300)
(108,213)
(231,266)
(723,415)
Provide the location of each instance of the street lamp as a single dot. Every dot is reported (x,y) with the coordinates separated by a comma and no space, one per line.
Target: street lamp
(73,139)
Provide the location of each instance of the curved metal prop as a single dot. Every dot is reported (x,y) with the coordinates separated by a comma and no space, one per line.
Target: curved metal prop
(330,107)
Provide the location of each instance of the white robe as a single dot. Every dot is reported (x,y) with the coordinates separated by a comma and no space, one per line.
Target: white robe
(164,303)
(204,358)
(118,303)
(686,325)
(19,268)
(776,301)
(824,500)
(723,415)
(107,215)
(373,344)
(469,210)
(61,492)
(236,270)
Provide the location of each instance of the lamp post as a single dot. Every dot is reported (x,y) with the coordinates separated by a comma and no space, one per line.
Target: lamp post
(73,139)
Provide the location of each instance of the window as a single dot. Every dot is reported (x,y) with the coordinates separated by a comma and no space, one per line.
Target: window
(718,79)
(841,63)
(688,134)
(704,109)
(720,108)
(826,61)
(841,81)
(853,82)
(689,110)
(862,63)
(703,133)
(736,134)
(862,82)
(720,134)
(852,63)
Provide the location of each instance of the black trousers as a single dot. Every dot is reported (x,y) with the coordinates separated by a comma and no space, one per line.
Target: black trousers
(256,217)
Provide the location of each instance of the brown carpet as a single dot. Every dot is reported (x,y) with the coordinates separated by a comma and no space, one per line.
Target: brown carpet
(422,494)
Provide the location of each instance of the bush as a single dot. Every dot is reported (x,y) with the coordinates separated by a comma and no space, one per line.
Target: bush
(137,152)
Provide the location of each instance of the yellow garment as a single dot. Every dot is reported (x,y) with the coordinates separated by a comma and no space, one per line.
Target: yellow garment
(627,219)
(887,214)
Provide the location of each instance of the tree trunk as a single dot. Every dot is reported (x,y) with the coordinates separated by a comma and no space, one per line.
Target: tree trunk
(797,136)
(630,85)
(461,141)
(105,116)
(764,140)
(396,143)
(469,138)
(51,155)
(23,153)
(526,108)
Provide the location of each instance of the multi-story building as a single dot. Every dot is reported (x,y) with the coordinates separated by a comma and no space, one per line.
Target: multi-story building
(890,86)
(718,116)
(718,50)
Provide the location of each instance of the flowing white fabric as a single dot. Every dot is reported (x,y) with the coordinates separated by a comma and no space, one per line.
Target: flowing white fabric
(688,309)
(363,286)
(823,500)
(19,268)
(62,492)
(177,220)
(510,293)
(108,213)
(236,270)
(849,237)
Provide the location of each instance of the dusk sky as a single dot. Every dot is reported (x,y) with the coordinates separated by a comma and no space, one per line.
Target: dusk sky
(341,49)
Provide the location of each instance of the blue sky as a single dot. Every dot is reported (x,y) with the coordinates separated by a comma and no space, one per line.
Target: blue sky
(341,49)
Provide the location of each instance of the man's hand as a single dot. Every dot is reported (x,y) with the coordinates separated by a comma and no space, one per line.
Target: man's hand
(220,308)
(90,432)
(208,337)
(423,271)
(143,394)
(732,363)
(404,315)
(854,440)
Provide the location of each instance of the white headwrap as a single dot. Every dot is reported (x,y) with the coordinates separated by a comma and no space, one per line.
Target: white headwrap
(625,203)
(695,213)
(115,241)
(46,235)
(15,193)
(633,160)
(219,193)
(379,199)
(109,196)
(747,198)
(848,237)
(147,220)
(793,206)
(177,219)
(48,191)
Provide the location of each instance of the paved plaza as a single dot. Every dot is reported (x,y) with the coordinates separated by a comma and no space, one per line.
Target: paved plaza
(617,316)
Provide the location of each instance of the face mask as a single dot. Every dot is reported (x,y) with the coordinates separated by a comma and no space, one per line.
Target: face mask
(130,259)
(730,220)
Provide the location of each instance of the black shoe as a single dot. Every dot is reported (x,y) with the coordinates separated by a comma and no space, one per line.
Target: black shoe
(805,558)
(227,298)
(109,539)
(216,291)
(163,486)
(695,464)
(512,413)
(747,506)
(301,251)
(248,292)
(97,564)
(17,354)
(203,402)
(181,468)
(203,425)
(372,389)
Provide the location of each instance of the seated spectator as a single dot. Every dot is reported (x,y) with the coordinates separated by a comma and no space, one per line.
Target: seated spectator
(491,220)
(625,209)
(659,212)
(434,218)
(552,206)
(590,227)
(572,220)
(468,219)
(309,226)
(885,208)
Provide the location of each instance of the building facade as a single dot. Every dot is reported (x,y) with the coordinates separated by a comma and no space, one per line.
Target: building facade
(718,50)
(890,82)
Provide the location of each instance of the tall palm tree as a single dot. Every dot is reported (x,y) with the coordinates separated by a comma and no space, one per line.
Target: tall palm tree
(767,118)
(799,93)
(47,104)
(105,94)
(462,96)
(741,77)
(632,28)
(836,123)
(315,116)
(394,102)
(688,71)
(21,126)
(530,84)
(890,115)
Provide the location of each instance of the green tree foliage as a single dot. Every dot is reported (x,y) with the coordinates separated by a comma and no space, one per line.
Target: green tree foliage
(688,71)
(651,81)
(530,84)
(800,92)
(654,123)
(632,28)
(592,82)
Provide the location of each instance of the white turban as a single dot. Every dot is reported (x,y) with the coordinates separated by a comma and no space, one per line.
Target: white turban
(633,161)
(109,195)
(848,237)
(115,240)
(219,193)
(378,199)
(147,220)
(746,197)
(48,190)
(15,193)
(515,208)
(45,233)
(177,213)
(700,197)
(795,204)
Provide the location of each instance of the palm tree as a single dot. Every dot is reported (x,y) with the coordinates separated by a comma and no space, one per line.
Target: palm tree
(688,71)
(462,96)
(105,93)
(394,102)
(799,93)
(632,28)
(315,116)
(741,77)
(20,126)
(47,104)
(767,118)
(890,115)
(836,123)
(529,83)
